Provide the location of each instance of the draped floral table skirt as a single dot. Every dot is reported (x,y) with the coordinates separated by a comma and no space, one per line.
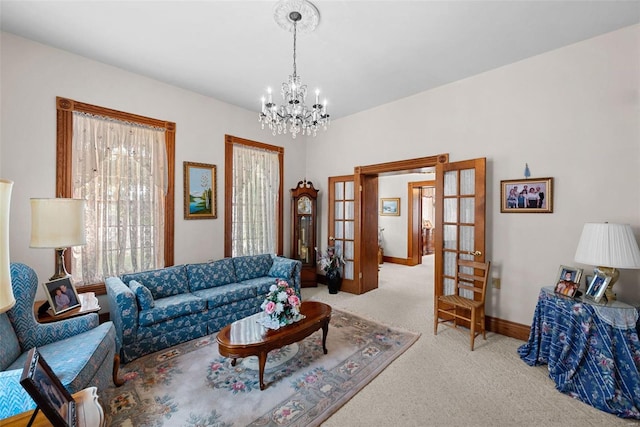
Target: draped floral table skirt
(592,351)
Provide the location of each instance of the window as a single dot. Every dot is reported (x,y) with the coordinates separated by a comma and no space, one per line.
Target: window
(253,197)
(123,165)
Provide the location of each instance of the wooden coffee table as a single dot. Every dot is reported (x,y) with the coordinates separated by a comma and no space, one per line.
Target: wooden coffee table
(246,337)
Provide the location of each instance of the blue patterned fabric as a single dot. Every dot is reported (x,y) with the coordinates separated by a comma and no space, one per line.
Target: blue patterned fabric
(79,351)
(171,308)
(593,352)
(163,282)
(221,296)
(250,267)
(124,310)
(281,268)
(217,297)
(207,275)
(262,285)
(9,345)
(143,295)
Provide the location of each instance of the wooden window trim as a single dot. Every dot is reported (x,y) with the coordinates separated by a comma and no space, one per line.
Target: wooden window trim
(229,140)
(64,136)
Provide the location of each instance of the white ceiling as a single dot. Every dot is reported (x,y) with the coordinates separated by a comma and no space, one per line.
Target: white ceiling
(361,55)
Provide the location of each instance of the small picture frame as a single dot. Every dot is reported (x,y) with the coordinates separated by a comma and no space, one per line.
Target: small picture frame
(568,281)
(62,295)
(200,188)
(597,287)
(390,206)
(47,391)
(534,195)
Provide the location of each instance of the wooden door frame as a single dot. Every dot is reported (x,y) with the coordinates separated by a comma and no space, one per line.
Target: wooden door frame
(414,231)
(367,279)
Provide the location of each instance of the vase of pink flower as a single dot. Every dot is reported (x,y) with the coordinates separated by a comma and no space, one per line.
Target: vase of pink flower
(281,305)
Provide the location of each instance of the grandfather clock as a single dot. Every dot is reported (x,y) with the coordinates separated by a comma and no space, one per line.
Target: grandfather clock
(303,232)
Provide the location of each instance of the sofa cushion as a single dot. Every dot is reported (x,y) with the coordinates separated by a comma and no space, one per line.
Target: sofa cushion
(76,360)
(252,266)
(210,274)
(163,282)
(171,308)
(281,268)
(143,295)
(9,344)
(217,297)
(261,284)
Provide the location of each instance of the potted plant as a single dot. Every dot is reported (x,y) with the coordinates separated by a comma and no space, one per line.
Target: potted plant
(331,262)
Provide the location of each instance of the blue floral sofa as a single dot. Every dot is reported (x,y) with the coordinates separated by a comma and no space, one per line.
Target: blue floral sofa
(153,310)
(79,351)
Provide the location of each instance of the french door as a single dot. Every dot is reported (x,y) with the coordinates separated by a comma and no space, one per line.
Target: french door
(460,219)
(342,225)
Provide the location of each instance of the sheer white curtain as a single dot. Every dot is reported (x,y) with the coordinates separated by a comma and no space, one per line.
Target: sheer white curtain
(256,182)
(120,169)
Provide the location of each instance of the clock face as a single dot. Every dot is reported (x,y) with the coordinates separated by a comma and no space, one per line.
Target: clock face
(304,205)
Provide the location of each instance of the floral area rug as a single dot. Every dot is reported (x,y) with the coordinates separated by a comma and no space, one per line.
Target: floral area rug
(192,385)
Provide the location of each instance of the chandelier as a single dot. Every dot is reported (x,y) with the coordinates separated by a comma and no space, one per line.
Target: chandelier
(293,115)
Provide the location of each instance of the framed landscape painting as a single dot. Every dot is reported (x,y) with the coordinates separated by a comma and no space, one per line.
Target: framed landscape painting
(199,191)
(534,195)
(390,206)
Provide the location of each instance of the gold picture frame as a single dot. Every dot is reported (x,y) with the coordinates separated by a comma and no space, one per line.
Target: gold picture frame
(200,188)
(390,206)
(538,197)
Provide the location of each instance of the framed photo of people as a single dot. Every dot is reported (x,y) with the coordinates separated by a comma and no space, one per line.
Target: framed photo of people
(47,391)
(568,280)
(534,195)
(597,287)
(62,295)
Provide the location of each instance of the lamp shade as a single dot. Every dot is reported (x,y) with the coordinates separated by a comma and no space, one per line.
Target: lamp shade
(57,223)
(608,245)
(7,300)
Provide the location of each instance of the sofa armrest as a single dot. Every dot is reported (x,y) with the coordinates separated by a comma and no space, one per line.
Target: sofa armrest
(123,310)
(47,333)
(295,272)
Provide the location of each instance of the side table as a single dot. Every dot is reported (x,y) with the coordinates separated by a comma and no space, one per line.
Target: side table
(88,304)
(592,350)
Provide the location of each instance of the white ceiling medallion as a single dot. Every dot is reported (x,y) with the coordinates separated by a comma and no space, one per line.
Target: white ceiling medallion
(310,15)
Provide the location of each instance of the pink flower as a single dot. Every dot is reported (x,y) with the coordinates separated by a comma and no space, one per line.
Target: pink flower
(270,307)
(294,300)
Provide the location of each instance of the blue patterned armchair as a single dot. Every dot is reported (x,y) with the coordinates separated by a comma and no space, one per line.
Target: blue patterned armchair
(80,352)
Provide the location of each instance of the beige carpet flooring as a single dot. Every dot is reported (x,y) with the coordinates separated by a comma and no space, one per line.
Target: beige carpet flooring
(438,381)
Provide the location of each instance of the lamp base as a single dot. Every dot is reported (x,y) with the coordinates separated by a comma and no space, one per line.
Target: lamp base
(61,269)
(614,273)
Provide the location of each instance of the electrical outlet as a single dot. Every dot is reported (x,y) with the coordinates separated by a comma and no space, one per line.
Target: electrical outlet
(496,282)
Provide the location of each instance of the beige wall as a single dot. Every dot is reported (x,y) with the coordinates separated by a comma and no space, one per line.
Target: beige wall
(571,114)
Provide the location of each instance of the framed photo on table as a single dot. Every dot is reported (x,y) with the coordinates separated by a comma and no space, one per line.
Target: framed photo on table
(534,195)
(568,280)
(62,295)
(597,287)
(47,391)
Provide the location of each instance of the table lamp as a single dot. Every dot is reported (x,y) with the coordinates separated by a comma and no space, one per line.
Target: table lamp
(57,224)
(608,247)
(7,300)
